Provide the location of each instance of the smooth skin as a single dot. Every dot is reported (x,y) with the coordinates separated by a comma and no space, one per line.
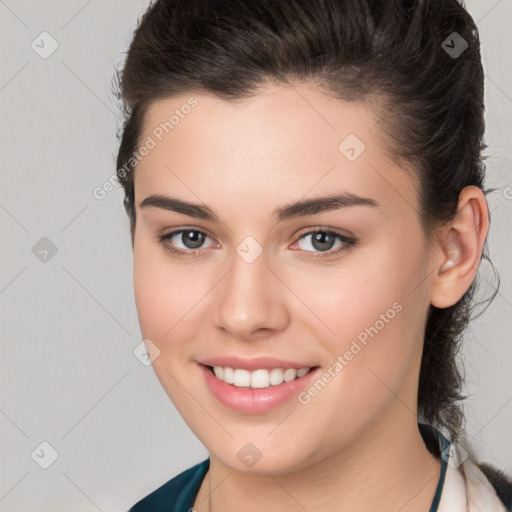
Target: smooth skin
(355,446)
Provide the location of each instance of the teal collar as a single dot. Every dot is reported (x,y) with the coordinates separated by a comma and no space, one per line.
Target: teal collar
(179,493)
(436,444)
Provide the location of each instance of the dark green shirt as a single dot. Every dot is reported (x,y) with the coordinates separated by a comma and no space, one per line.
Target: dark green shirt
(179,493)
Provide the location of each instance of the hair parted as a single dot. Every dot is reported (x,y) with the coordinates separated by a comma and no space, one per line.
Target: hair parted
(387,54)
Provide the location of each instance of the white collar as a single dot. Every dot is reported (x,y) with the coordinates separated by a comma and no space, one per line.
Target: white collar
(478,496)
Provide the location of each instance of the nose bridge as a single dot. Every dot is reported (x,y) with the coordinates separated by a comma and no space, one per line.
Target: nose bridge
(246,299)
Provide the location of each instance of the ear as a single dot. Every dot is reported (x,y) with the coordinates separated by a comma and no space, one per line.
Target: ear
(460,248)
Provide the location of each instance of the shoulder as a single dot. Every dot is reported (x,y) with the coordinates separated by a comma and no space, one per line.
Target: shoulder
(501,482)
(467,488)
(467,484)
(488,483)
(176,494)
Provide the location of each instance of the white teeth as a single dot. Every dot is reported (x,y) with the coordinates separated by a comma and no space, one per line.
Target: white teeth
(276,376)
(289,375)
(258,378)
(242,378)
(229,375)
(302,372)
(219,372)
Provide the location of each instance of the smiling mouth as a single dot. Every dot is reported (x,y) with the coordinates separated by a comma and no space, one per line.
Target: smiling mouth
(258,379)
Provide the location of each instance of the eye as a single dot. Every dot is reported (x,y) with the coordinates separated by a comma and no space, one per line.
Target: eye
(191,241)
(319,242)
(322,241)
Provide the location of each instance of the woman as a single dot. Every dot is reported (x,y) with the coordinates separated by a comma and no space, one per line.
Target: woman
(304,183)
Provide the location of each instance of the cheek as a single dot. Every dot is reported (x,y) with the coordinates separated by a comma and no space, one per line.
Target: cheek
(171,300)
(160,291)
(149,283)
(165,298)
(349,299)
(371,319)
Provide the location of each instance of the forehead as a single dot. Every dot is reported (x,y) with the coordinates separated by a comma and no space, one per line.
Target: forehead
(289,138)
(278,114)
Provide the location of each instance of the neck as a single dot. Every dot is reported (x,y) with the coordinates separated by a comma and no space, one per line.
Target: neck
(389,464)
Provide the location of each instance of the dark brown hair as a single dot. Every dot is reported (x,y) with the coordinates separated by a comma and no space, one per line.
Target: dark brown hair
(393,55)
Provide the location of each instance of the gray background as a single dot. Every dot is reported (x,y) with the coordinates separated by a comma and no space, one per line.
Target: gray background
(69,324)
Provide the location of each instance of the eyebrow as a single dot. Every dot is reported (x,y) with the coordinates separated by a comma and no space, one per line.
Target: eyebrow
(293,210)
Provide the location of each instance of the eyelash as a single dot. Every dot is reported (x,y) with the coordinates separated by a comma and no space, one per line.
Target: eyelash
(347,243)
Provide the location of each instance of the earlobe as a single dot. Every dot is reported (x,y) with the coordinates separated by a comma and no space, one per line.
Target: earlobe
(461,248)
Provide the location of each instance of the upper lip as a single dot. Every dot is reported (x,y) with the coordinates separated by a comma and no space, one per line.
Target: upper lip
(254,363)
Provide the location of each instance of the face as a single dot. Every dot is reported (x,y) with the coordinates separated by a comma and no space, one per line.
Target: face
(337,289)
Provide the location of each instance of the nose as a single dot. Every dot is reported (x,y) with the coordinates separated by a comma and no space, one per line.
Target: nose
(250,301)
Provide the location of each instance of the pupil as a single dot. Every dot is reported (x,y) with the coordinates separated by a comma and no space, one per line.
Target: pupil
(193,242)
(320,243)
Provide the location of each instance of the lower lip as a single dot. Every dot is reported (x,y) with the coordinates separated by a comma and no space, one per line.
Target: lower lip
(253,400)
